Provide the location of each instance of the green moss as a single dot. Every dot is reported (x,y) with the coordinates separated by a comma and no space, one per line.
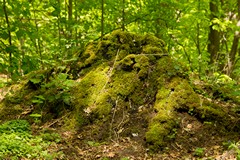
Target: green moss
(120,37)
(90,54)
(127,62)
(154,41)
(210,113)
(132,81)
(156,134)
(103,107)
(175,95)
(152,50)
(124,83)
(90,88)
(10,111)
(213,112)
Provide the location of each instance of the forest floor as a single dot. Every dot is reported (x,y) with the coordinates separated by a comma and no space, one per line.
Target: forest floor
(192,140)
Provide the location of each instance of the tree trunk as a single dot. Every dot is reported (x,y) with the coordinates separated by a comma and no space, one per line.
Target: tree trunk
(70,14)
(214,35)
(234,48)
(59,28)
(37,39)
(102,20)
(9,32)
(123,15)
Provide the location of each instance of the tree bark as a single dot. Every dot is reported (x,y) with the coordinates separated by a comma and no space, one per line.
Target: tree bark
(9,31)
(234,48)
(214,35)
(102,20)
(70,15)
(123,15)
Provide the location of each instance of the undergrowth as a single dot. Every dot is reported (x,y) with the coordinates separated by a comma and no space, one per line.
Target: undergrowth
(17,142)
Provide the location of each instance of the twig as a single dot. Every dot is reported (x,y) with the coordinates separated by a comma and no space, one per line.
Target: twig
(57,120)
(164,54)
(109,75)
(114,112)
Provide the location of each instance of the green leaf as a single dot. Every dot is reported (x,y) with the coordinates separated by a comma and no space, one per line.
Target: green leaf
(40,97)
(62,76)
(36,80)
(55,13)
(69,83)
(4,35)
(35,115)
(20,33)
(37,101)
(238,157)
(11,49)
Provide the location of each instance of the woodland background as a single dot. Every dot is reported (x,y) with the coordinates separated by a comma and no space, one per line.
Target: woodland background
(38,34)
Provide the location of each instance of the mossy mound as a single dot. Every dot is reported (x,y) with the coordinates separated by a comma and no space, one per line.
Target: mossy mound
(124,85)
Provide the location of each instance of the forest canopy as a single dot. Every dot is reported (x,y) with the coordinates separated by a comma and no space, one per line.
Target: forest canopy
(203,35)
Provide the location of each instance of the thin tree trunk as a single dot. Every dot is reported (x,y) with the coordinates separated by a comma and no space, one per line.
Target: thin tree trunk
(9,32)
(214,35)
(123,15)
(37,40)
(70,14)
(59,29)
(198,44)
(76,22)
(102,21)
(234,48)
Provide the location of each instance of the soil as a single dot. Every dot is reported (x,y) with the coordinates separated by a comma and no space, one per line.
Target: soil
(193,140)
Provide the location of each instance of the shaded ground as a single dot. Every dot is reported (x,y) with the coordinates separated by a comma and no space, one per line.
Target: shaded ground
(193,140)
(190,136)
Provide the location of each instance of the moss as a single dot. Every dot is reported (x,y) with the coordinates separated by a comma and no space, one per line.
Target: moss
(156,135)
(90,88)
(154,41)
(175,95)
(103,105)
(90,54)
(120,37)
(131,80)
(152,50)
(127,62)
(210,113)
(10,111)
(215,112)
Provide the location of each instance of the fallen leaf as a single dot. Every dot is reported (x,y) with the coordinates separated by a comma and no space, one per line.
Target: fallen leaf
(111,154)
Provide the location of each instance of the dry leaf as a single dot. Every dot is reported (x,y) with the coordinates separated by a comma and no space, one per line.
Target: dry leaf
(111,154)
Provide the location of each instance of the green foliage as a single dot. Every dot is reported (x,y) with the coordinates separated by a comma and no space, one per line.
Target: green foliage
(58,89)
(38,99)
(93,144)
(17,142)
(53,90)
(199,152)
(51,35)
(224,88)
(51,137)
(36,117)
(235,147)
(19,126)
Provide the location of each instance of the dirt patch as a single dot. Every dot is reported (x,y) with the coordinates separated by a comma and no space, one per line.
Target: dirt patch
(192,140)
